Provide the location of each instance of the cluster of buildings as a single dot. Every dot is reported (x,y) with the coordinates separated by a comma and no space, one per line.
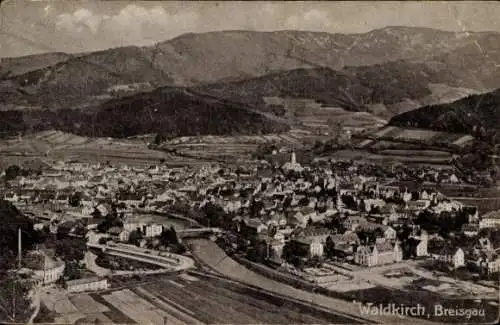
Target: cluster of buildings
(365,220)
(343,211)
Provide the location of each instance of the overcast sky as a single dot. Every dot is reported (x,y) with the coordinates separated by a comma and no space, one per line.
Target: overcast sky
(29,27)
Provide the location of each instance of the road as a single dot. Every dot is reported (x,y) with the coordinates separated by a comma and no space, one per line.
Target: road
(36,302)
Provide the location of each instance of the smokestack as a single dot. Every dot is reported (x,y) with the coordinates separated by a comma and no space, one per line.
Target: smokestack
(19,246)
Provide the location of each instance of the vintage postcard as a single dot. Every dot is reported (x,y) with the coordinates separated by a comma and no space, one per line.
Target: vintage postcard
(249,162)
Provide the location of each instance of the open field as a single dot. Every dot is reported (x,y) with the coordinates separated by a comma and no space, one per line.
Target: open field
(388,145)
(321,118)
(419,153)
(214,301)
(189,299)
(80,308)
(54,145)
(438,160)
(234,148)
(422,136)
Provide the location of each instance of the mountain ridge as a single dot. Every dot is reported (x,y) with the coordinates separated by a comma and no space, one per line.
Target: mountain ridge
(392,68)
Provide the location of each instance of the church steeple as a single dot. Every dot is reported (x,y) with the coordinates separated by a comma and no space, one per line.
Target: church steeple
(294,158)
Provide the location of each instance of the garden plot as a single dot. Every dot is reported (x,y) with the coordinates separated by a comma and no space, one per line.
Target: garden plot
(87,305)
(136,308)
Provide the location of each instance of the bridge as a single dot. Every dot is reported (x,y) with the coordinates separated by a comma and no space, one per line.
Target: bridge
(165,260)
(195,231)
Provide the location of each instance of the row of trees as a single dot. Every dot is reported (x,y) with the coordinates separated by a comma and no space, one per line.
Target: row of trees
(444,223)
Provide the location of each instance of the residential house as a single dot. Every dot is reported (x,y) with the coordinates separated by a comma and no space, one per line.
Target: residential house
(353,222)
(299,219)
(406,196)
(254,226)
(489,261)
(416,246)
(388,191)
(319,233)
(370,204)
(472,213)
(365,256)
(490,220)
(11,196)
(381,253)
(418,205)
(275,246)
(485,244)
(312,245)
(470,229)
(346,189)
(447,205)
(124,235)
(278,220)
(389,233)
(153,230)
(447,254)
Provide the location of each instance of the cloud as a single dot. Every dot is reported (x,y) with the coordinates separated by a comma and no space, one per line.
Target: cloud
(131,24)
(313,19)
(78,21)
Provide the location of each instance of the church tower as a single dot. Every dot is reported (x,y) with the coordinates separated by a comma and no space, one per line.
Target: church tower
(294,158)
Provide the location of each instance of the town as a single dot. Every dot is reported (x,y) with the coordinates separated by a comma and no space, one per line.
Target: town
(335,226)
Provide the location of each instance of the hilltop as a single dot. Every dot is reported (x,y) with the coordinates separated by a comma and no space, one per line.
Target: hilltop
(476,114)
(167,110)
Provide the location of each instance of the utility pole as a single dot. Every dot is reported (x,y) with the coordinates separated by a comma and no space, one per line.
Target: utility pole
(19,247)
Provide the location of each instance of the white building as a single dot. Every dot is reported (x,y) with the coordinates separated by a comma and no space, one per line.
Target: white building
(490,220)
(124,235)
(455,257)
(87,284)
(45,269)
(153,230)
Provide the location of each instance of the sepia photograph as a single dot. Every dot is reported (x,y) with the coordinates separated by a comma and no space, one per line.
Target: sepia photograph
(249,162)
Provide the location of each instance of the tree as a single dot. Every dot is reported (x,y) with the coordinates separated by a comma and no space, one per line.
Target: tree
(379,233)
(12,172)
(169,237)
(111,220)
(288,252)
(159,138)
(72,271)
(214,215)
(15,304)
(63,231)
(272,230)
(349,202)
(75,199)
(11,220)
(259,252)
(71,249)
(135,237)
(80,230)
(103,240)
(329,247)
